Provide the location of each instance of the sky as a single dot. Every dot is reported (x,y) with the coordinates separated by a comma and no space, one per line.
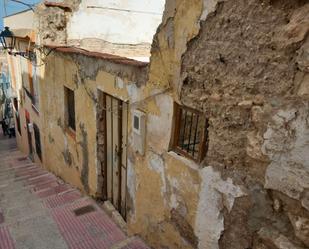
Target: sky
(8,7)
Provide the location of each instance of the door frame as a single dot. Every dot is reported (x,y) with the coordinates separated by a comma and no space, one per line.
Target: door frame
(120,206)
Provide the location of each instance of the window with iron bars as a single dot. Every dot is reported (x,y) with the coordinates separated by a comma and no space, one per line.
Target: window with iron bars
(191,133)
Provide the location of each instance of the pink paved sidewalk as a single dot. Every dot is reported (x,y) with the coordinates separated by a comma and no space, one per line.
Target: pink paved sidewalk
(73,219)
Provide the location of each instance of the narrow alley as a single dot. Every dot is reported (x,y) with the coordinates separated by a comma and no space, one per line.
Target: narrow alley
(163,124)
(38,210)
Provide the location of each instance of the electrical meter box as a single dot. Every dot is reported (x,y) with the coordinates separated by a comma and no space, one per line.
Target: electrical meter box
(139,131)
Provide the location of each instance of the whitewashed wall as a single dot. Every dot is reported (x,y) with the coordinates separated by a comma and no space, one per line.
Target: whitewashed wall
(121,27)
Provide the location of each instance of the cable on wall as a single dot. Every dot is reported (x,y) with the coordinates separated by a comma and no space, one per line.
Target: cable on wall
(30,6)
(125,10)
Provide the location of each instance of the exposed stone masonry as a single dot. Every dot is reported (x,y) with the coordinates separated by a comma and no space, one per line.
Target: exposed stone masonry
(52,21)
(247,70)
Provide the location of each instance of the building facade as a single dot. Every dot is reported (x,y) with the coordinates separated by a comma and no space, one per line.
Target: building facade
(203,147)
(25,75)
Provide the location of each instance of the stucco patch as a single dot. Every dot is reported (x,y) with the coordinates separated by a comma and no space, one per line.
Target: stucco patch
(131,188)
(209,6)
(156,163)
(133,92)
(159,127)
(215,194)
(287,145)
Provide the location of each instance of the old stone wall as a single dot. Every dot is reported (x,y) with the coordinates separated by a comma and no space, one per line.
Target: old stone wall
(52,19)
(247,70)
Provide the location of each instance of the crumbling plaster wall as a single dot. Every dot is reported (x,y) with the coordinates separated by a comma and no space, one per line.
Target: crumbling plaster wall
(245,65)
(73,156)
(64,150)
(87,75)
(51,21)
(169,197)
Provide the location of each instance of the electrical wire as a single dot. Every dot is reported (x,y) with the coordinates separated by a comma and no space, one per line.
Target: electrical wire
(30,6)
(4,7)
(125,10)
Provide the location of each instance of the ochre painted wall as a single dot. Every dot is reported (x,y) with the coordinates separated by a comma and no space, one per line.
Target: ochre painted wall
(73,156)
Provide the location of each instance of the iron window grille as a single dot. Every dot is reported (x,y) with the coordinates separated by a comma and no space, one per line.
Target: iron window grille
(191,133)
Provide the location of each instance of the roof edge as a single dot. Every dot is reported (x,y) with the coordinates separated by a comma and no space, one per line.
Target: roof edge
(104,56)
(59,5)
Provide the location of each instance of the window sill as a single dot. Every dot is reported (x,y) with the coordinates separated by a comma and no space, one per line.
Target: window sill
(71,132)
(189,162)
(183,153)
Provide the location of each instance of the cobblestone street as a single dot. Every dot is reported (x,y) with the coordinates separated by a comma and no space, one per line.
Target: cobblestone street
(39,211)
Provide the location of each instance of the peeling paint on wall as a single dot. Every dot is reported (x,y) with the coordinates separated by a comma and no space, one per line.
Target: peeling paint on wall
(157,164)
(286,142)
(85,164)
(67,156)
(131,189)
(215,195)
(208,8)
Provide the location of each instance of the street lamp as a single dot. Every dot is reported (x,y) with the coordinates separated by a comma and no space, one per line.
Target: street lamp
(7,39)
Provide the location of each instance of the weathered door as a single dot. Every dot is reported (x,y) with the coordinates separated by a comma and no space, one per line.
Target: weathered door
(116,118)
(29,135)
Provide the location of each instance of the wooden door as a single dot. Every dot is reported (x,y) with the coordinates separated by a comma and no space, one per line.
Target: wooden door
(29,135)
(116,113)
